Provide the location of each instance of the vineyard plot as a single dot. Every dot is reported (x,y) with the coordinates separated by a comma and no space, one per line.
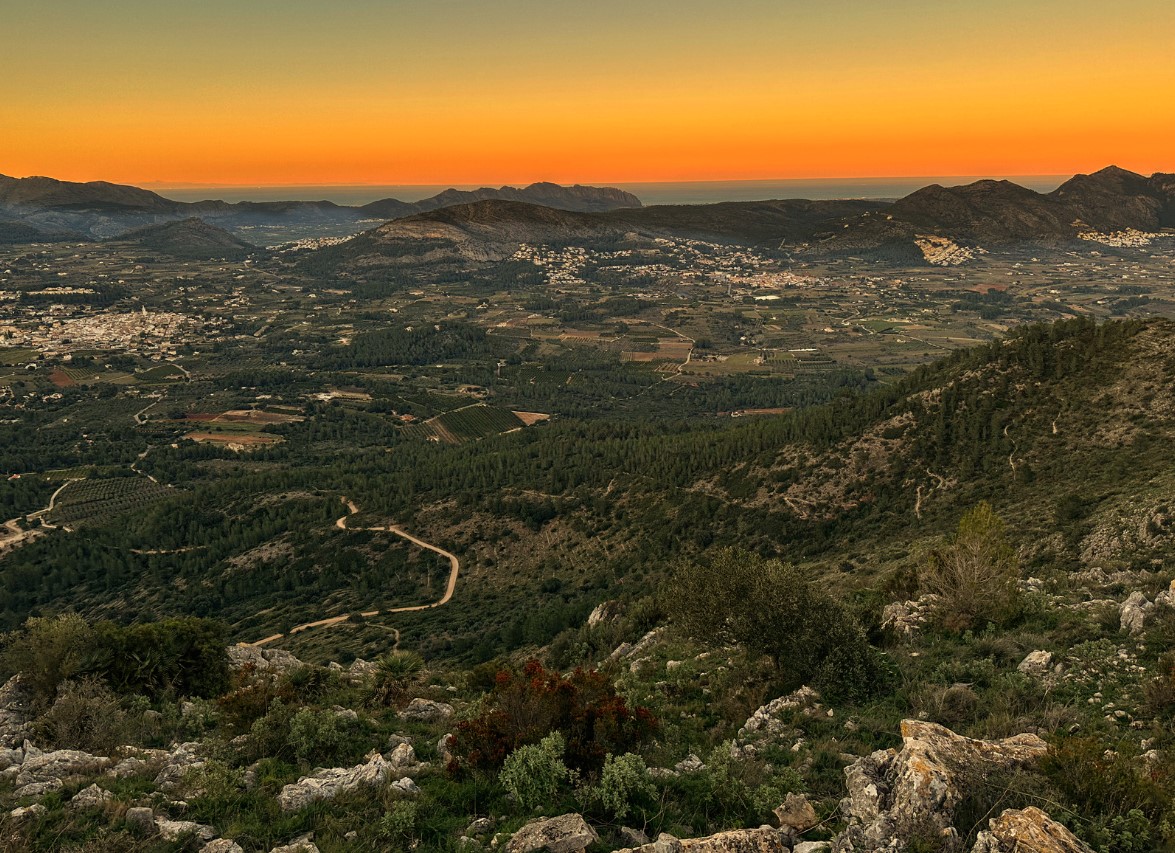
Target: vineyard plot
(95,501)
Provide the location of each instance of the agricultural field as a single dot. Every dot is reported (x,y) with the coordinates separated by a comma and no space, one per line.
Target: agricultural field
(467,424)
(95,502)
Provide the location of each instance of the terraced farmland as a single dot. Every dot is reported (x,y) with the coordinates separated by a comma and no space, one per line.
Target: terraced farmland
(95,501)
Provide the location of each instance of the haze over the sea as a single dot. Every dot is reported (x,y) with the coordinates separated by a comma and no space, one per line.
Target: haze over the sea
(682,192)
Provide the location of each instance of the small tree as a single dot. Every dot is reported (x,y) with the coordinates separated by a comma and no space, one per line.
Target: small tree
(976,573)
(771,608)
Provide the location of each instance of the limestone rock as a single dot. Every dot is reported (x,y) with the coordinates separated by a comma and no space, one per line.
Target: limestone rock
(406,786)
(426,710)
(567,833)
(1027,831)
(633,837)
(403,756)
(39,789)
(173,830)
(91,797)
(766,719)
(221,845)
(301,844)
(140,820)
(796,813)
(1037,664)
(761,840)
(132,766)
(27,812)
(812,847)
(443,752)
(329,783)
(904,619)
(480,826)
(1166,598)
(58,765)
(894,793)
(362,670)
(605,611)
(1134,613)
(176,764)
(11,758)
(690,764)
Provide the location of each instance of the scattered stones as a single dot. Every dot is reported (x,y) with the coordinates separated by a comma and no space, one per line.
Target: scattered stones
(426,710)
(329,783)
(1027,830)
(1037,664)
(567,833)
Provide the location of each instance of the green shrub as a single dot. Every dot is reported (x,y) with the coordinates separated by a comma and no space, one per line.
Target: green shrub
(397,828)
(315,736)
(624,782)
(534,773)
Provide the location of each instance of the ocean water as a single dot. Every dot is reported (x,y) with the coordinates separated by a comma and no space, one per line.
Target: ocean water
(685,192)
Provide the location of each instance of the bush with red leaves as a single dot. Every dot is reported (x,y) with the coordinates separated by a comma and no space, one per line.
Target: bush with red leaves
(525,706)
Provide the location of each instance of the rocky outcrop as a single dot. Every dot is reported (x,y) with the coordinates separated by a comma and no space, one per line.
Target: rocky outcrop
(329,783)
(766,720)
(426,710)
(268,661)
(893,794)
(301,844)
(761,840)
(183,758)
(52,768)
(1027,831)
(567,833)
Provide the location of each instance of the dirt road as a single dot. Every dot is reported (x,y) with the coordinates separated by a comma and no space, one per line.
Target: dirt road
(450,587)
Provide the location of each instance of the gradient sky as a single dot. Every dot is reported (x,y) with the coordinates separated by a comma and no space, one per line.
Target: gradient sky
(495,91)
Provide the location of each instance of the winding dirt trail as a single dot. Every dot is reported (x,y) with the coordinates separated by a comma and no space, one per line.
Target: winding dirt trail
(450,588)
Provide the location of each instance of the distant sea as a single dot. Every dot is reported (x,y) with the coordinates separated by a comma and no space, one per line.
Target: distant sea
(684,192)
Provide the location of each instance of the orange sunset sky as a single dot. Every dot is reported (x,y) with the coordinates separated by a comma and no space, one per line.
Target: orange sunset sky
(496,91)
